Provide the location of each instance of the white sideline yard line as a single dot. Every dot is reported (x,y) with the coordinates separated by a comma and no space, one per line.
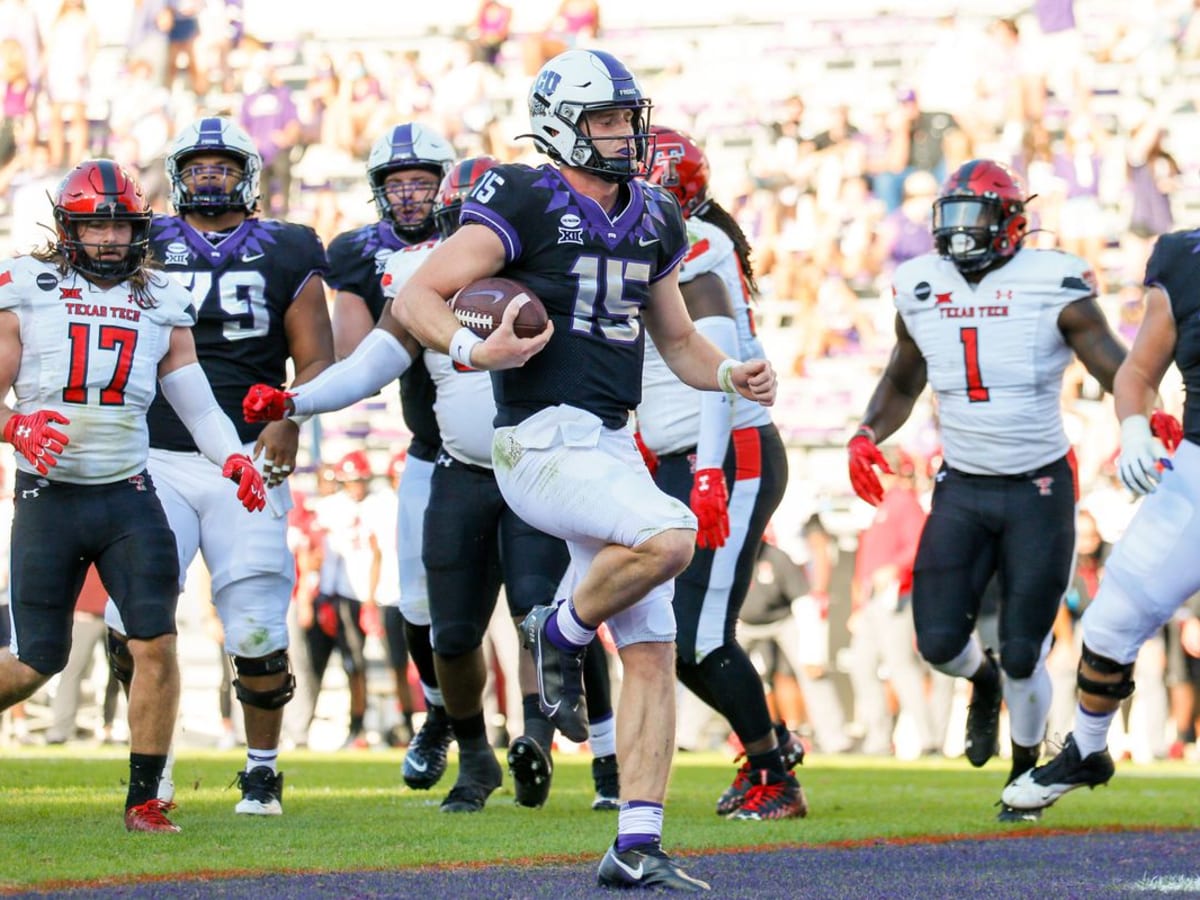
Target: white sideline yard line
(1167,884)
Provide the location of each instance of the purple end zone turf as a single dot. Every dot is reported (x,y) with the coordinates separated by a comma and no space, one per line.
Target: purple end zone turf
(1031,863)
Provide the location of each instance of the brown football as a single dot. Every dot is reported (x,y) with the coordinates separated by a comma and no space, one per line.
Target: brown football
(481,304)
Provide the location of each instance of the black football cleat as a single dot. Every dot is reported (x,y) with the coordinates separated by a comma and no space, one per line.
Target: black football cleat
(262,792)
(478,776)
(607,779)
(559,676)
(983,717)
(645,866)
(425,760)
(531,771)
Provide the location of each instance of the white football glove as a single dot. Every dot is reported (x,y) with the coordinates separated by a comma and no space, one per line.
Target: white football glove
(1143,456)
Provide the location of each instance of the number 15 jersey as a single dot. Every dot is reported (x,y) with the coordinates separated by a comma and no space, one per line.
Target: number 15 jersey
(593,270)
(995,354)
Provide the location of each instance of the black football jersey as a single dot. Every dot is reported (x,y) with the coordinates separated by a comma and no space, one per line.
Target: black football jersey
(356,262)
(593,272)
(1175,267)
(242,286)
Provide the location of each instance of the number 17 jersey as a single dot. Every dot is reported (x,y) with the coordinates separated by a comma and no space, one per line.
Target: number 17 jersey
(995,354)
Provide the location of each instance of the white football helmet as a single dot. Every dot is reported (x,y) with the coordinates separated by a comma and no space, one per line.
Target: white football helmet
(214,134)
(582,81)
(407,146)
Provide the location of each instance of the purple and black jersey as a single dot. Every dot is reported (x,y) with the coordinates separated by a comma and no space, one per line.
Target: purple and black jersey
(1174,266)
(243,285)
(356,262)
(592,271)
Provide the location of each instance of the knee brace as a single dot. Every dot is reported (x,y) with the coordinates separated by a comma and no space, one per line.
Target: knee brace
(120,660)
(271,698)
(1117,690)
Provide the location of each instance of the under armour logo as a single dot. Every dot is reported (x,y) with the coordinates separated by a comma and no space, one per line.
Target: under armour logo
(1043,485)
(30,494)
(24,431)
(444,459)
(138,482)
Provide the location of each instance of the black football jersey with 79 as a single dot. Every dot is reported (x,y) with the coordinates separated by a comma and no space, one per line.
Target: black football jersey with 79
(592,270)
(243,284)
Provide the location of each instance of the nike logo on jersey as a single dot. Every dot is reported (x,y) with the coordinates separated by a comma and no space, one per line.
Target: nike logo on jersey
(646,242)
(635,874)
(251,257)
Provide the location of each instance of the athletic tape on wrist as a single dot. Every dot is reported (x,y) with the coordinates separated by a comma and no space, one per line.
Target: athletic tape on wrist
(725,376)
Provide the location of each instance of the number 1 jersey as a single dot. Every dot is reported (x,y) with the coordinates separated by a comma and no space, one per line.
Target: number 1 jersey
(995,354)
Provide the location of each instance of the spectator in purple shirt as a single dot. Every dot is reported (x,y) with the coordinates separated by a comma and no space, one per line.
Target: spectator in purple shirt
(272,120)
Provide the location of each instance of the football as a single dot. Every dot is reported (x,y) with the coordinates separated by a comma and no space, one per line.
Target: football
(481,304)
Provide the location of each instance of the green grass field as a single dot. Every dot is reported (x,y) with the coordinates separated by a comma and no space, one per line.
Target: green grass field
(60,813)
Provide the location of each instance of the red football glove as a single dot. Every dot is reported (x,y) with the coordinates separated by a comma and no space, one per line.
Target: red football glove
(649,457)
(1166,428)
(864,456)
(264,403)
(710,503)
(36,439)
(240,470)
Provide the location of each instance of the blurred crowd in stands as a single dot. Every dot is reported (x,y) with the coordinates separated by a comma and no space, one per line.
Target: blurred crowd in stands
(828,137)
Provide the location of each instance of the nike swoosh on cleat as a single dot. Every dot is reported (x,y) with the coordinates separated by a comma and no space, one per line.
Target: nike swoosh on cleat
(419,764)
(635,874)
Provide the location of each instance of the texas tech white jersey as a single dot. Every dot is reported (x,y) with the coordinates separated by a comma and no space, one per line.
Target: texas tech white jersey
(401,265)
(91,354)
(669,414)
(464,405)
(995,354)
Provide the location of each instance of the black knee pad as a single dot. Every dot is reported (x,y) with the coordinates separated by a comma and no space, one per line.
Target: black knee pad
(1118,690)
(457,640)
(275,664)
(120,660)
(1019,658)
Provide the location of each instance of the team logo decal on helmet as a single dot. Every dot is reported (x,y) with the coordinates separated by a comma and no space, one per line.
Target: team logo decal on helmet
(579,82)
(100,190)
(681,167)
(202,189)
(408,146)
(979,217)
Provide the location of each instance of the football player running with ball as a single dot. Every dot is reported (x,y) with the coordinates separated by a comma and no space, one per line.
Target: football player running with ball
(87,330)
(604,261)
(473,542)
(990,327)
(257,286)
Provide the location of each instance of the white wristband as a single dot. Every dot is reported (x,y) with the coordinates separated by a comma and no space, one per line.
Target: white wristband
(725,376)
(461,345)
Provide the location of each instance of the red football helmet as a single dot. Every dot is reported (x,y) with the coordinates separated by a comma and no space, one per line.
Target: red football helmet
(979,217)
(354,466)
(453,190)
(100,190)
(681,167)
